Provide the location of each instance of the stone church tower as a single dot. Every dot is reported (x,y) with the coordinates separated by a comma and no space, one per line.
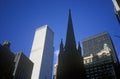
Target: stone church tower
(70,60)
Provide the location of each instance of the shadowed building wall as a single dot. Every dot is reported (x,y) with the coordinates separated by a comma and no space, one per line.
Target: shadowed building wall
(23,67)
(6,61)
(14,66)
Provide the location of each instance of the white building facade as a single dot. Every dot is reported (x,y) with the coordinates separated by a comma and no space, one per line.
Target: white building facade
(42,53)
(117,8)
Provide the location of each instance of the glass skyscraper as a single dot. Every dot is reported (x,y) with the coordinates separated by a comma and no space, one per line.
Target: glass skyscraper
(100,59)
(94,44)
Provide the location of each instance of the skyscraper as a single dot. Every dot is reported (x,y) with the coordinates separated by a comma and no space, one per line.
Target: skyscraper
(117,8)
(23,67)
(14,66)
(100,57)
(42,53)
(70,60)
(94,44)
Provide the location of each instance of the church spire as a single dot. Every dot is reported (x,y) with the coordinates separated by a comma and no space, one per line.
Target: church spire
(70,38)
(79,49)
(61,46)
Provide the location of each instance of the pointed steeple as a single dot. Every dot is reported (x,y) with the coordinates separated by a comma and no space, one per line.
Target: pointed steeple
(79,49)
(61,46)
(70,38)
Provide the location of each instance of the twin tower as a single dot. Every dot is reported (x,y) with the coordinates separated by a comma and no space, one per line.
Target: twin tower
(70,60)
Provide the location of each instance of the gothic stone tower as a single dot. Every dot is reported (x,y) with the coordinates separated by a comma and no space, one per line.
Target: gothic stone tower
(70,60)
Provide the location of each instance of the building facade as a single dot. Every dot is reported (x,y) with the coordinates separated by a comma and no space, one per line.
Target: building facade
(117,8)
(6,61)
(70,61)
(100,58)
(42,53)
(23,67)
(55,71)
(94,44)
(14,66)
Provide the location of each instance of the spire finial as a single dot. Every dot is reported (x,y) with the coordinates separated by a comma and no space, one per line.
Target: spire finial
(70,11)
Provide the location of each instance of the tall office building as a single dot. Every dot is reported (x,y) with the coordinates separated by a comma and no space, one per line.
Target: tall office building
(100,59)
(42,53)
(14,66)
(94,44)
(23,67)
(117,8)
(70,60)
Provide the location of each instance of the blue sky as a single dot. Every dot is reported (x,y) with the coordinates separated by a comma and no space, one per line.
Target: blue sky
(20,18)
